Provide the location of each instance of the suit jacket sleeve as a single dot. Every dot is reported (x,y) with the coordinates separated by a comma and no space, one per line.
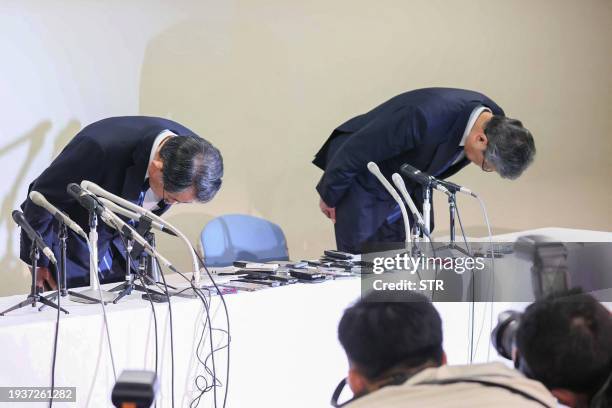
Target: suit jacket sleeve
(382,138)
(82,159)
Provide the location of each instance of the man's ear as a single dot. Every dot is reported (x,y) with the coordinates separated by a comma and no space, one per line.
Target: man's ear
(444,359)
(482,139)
(357,382)
(158,164)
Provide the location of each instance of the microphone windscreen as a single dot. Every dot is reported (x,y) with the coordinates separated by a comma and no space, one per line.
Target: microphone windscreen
(17,216)
(74,189)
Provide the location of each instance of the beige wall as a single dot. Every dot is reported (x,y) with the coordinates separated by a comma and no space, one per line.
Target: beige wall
(267,81)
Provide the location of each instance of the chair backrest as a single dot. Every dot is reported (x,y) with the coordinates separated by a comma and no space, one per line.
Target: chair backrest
(238,237)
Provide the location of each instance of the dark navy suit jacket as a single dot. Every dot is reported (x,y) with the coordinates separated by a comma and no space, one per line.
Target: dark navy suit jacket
(421,127)
(113,153)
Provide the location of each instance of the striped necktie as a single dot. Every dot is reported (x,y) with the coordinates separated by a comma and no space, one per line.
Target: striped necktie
(143,190)
(161,204)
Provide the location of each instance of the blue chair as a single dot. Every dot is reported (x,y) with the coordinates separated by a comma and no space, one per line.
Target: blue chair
(238,237)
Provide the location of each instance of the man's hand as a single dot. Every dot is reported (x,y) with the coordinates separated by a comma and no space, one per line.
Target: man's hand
(328,211)
(44,279)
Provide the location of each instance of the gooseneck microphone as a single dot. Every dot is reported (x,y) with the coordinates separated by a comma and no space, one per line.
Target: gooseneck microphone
(422,178)
(425,179)
(455,188)
(127,231)
(133,215)
(373,168)
(399,183)
(33,235)
(84,198)
(99,191)
(91,203)
(40,200)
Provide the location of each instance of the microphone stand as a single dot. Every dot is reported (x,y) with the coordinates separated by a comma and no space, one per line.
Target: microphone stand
(128,286)
(452,209)
(62,284)
(150,271)
(416,240)
(427,206)
(452,212)
(94,294)
(34,296)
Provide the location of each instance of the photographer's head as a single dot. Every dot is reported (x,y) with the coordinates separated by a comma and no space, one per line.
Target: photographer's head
(388,337)
(566,342)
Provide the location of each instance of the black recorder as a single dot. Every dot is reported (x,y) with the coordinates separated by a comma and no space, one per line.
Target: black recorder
(307,275)
(317,263)
(266,282)
(282,279)
(339,255)
(256,274)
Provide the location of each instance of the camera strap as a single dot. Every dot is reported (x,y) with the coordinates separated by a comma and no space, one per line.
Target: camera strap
(401,379)
(486,384)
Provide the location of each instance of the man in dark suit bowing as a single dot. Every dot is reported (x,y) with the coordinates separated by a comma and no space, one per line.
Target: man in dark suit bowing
(437,130)
(149,161)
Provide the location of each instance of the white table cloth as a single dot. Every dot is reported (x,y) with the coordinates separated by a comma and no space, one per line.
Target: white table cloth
(284,349)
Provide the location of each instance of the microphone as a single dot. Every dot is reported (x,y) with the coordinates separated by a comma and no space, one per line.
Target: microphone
(122,227)
(85,198)
(33,235)
(41,201)
(373,168)
(444,186)
(90,202)
(399,183)
(126,230)
(133,216)
(99,191)
(422,178)
(454,188)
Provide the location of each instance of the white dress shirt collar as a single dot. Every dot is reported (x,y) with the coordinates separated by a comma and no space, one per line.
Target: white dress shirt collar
(150,198)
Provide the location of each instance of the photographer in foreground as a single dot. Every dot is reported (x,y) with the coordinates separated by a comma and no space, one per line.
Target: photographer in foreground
(565,342)
(394,346)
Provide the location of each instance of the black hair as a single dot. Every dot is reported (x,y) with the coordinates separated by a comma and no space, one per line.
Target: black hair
(510,147)
(384,330)
(190,161)
(566,340)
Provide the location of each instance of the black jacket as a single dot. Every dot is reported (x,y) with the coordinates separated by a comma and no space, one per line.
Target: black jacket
(113,153)
(421,127)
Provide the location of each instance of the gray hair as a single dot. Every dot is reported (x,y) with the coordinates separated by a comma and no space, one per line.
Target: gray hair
(510,147)
(190,161)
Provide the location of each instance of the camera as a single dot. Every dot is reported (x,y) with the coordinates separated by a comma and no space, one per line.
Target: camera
(135,389)
(504,334)
(503,339)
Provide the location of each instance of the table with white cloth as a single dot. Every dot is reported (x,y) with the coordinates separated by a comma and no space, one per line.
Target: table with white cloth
(284,349)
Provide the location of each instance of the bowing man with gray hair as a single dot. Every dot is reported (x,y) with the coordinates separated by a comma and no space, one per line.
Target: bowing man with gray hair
(436,130)
(152,162)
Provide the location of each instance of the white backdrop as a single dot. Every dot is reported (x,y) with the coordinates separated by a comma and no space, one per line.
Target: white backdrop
(66,64)
(267,82)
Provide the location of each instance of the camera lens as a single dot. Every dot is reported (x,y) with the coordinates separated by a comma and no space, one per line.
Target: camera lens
(504,333)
